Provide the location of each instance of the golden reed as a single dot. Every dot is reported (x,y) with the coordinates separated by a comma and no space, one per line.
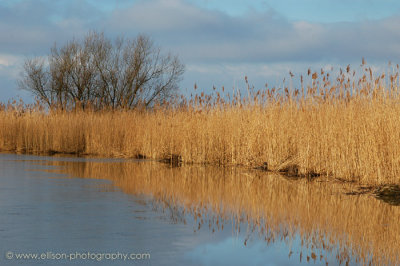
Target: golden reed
(345,128)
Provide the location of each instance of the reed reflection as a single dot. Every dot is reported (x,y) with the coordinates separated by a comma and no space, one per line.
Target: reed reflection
(324,215)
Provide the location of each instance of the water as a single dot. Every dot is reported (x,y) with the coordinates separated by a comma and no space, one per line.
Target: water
(180,216)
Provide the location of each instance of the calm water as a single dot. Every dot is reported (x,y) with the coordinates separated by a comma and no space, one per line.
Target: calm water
(180,216)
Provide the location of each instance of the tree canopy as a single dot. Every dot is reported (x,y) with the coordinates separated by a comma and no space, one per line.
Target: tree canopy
(102,73)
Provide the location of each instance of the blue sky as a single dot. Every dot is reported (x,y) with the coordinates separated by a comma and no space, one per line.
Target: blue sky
(310,10)
(220,41)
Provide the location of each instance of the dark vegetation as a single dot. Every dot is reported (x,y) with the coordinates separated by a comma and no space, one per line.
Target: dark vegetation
(101,73)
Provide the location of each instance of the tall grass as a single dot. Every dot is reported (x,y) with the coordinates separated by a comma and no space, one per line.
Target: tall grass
(347,128)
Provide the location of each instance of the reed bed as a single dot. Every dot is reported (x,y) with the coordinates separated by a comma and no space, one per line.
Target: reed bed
(346,127)
(356,228)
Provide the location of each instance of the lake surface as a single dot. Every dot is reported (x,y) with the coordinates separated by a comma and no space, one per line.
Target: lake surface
(103,209)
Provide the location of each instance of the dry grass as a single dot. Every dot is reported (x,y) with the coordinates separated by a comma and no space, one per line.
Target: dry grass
(366,229)
(343,128)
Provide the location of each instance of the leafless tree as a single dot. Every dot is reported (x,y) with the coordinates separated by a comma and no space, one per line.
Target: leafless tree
(103,73)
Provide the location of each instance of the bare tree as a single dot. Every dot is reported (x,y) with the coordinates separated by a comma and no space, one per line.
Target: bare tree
(103,73)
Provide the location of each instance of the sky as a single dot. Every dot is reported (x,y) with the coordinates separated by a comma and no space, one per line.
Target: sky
(219,41)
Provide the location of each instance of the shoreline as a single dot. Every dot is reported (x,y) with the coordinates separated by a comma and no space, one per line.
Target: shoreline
(388,193)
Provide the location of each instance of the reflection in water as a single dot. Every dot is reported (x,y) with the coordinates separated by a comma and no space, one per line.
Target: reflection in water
(358,227)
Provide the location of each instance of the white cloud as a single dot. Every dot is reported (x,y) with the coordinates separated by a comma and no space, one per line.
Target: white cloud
(199,34)
(4,61)
(162,15)
(10,65)
(202,35)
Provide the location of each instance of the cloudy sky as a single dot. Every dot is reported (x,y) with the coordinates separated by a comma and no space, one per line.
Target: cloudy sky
(220,41)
